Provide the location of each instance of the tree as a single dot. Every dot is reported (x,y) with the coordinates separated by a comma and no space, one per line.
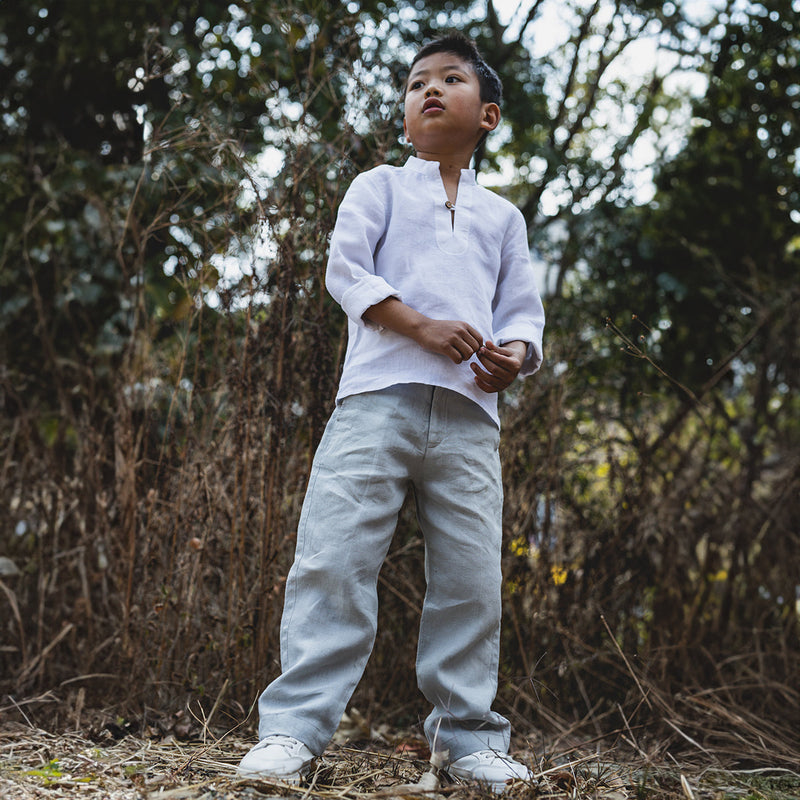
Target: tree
(669,499)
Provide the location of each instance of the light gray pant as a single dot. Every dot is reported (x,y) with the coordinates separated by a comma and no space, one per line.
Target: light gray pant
(376,445)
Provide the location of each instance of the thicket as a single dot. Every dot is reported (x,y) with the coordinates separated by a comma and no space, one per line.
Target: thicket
(169,357)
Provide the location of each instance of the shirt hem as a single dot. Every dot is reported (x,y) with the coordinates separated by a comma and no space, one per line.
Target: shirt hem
(376,386)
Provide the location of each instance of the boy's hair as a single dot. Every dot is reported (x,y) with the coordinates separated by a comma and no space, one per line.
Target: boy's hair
(466,49)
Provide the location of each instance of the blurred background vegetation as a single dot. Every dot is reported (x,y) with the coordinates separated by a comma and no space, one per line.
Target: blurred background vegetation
(169,175)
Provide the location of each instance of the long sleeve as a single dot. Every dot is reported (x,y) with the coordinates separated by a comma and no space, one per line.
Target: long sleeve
(350,277)
(517,310)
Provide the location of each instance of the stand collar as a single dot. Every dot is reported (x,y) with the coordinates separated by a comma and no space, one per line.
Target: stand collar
(432,168)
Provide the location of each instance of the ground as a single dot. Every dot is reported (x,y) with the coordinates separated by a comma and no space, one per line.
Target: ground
(109,763)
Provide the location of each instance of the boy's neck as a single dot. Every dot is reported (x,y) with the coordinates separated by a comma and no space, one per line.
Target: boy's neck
(449,163)
(450,167)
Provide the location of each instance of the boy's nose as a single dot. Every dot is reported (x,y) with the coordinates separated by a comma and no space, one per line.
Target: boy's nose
(432,90)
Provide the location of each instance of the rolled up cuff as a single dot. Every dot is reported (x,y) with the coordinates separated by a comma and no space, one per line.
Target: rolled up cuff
(364,295)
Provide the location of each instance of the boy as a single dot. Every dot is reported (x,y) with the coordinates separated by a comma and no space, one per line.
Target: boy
(434,275)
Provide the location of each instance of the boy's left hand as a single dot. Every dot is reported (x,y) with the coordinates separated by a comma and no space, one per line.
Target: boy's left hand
(501,365)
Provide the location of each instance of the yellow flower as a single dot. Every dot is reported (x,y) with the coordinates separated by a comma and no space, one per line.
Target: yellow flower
(558,574)
(519,546)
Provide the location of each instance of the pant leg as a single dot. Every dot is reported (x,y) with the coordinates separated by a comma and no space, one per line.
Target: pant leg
(459,504)
(358,482)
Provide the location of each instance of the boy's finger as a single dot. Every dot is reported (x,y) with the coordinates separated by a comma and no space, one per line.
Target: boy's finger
(487,387)
(494,363)
(476,336)
(494,353)
(479,373)
(495,381)
(469,337)
(493,348)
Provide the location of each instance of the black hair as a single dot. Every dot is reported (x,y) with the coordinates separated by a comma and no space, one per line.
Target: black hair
(491,87)
(466,49)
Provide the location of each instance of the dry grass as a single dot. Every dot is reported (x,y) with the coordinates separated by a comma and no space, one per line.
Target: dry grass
(105,762)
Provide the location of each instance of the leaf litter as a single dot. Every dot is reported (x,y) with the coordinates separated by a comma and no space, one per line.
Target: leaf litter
(112,764)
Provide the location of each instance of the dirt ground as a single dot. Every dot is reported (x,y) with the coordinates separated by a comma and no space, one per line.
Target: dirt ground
(112,764)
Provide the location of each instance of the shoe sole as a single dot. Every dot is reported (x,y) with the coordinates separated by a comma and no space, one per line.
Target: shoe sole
(292,778)
(496,787)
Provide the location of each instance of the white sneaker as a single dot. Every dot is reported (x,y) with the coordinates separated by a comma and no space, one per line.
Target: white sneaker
(280,757)
(494,769)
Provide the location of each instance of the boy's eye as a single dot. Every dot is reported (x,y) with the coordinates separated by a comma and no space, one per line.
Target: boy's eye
(415,85)
(452,79)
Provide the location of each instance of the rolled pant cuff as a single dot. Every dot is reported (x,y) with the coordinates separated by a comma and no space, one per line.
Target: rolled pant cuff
(298,727)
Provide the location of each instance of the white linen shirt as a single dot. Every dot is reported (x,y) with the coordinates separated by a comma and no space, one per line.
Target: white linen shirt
(394,237)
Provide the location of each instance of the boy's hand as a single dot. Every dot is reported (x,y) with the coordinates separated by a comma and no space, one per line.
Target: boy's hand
(457,340)
(502,365)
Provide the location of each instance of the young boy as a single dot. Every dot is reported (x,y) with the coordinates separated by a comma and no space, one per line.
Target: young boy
(433,272)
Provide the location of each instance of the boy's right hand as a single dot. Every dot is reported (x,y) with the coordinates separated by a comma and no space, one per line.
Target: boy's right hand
(457,340)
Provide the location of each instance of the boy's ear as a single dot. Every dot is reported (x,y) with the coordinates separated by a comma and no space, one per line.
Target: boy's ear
(490,116)
(405,133)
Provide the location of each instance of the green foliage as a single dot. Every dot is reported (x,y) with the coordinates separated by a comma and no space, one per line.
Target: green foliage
(712,258)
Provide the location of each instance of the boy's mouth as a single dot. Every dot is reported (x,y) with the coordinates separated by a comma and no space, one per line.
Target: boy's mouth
(432,104)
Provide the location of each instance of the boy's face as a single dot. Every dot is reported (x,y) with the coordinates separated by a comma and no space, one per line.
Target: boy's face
(443,108)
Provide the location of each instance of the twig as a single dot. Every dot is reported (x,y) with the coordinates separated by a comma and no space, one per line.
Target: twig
(634,350)
(39,660)
(688,738)
(215,707)
(627,663)
(632,739)
(16,705)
